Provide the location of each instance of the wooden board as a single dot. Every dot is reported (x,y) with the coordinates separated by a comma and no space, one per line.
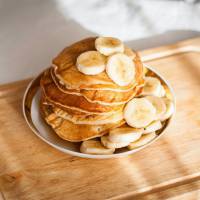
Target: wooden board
(169,168)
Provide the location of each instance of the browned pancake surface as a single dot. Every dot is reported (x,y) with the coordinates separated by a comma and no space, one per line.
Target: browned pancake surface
(57,97)
(67,72)
(102,96)
(74,132)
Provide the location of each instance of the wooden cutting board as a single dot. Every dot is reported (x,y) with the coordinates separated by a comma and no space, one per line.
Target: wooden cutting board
(170,167)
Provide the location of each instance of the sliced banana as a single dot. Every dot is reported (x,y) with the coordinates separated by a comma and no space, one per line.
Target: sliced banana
(152,127)
(91,62)
(142,141)
(159,105)
(129,52)
(152,86)
(107,143)
(121,69)
(95,147)
(125,134)
(139,112)
(109,45)
(169,109)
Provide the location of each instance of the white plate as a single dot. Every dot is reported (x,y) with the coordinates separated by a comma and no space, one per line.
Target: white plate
(43,131)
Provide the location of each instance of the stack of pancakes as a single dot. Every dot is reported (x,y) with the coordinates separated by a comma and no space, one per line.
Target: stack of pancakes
(79,106)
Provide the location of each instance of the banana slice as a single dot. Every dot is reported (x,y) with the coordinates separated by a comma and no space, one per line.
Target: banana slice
(107,143)
(95,147)
(169,109)
(159,105)
(152,86)
(109,45)
(154,126)
(91,62)
(129,52)
(125,134)
(139,112)
(121,69)
(142,141)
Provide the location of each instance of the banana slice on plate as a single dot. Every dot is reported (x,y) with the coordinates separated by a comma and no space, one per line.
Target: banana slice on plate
(152,86)
(109,45)
(139,112)
(169,109)
(152,127)
(129,52)
(121,69)
(91,62)
(95,147)
(125,134)
(159,105)
(142,141)
(107,143)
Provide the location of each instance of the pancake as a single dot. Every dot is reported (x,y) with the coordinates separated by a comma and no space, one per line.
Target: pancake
(79,107)
(70,101)
(104,97)
(84,118)
(89,119)
(66,71)
(79,113)
(75,132)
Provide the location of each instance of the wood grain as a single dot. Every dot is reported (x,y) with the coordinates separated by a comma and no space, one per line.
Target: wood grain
(31,169)
(183,192)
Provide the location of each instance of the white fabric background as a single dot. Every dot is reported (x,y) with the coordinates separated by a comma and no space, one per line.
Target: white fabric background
(32,32)
(131,19)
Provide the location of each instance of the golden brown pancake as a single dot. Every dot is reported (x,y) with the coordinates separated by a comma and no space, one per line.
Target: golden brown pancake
(83,118)
(66,71)
(75,132)
(104,97)
(88,118)
(70,101)
(78,106)
(72,112)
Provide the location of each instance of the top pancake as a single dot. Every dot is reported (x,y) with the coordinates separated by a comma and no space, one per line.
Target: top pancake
(104,97)
(66,71)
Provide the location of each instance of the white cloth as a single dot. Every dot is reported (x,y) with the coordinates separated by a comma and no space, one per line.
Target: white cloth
(32,32)
(131,19)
